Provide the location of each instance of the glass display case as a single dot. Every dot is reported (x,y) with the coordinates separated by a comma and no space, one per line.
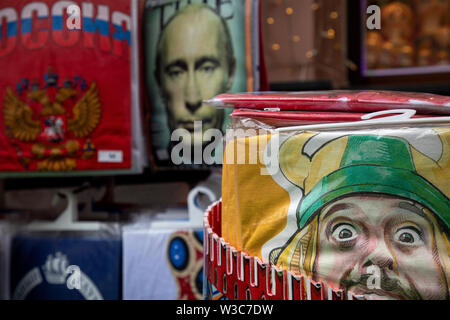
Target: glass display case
(413,37)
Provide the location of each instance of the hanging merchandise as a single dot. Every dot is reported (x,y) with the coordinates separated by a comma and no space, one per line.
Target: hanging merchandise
(17,207)
(162,264)
(66,259)
(194,50)
(163,256)
(69,88)
(353,198)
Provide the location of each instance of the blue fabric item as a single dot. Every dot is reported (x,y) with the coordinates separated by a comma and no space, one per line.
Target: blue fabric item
(39,264)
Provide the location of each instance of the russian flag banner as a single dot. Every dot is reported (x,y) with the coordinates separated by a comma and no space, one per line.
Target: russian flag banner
(66,86)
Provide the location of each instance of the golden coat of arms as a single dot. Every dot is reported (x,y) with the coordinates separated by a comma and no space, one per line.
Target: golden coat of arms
(56,120)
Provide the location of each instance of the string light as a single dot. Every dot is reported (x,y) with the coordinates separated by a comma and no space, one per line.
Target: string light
(334,15)
(314,6)
(296,38)
(289,11)
(275,47)
(310,54)
(407,50)
(331,33)
(270,20)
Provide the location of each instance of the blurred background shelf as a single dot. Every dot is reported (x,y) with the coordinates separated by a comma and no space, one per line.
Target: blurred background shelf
(191,177)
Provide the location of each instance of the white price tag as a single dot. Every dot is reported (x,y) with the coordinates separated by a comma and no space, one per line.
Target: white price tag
(110,156)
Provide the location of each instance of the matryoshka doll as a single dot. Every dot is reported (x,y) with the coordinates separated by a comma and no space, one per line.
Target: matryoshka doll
(397,20)
(432,41)
(374,45)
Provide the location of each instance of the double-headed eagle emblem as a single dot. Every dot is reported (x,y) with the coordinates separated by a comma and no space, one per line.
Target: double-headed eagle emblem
(59,132)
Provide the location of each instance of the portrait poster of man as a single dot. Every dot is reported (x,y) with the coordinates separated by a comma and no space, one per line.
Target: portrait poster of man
(193,51)
(365,211)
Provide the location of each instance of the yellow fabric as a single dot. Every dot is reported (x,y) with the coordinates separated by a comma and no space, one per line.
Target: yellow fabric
(254,206)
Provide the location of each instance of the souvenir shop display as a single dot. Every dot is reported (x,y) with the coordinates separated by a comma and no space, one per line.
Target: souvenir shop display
(193,51)
(413,38)
(353,197)
(144,156)
(305,41)
(69,88)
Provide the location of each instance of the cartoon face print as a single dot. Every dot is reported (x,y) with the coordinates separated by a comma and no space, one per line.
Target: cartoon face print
(364,237)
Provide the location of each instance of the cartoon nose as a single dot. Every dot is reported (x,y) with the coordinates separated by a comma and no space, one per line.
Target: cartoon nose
(380,256)
(193,98)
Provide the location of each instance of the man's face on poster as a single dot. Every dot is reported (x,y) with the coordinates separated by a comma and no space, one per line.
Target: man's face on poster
(193,67)
(363,236)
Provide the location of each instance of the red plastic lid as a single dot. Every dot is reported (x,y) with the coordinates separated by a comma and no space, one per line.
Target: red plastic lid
(285,118)
(335,101)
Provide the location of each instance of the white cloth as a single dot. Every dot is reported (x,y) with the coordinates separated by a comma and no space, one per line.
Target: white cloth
(146,273)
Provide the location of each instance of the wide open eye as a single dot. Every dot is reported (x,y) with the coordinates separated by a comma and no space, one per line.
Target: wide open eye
(408,236)
(344,232)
